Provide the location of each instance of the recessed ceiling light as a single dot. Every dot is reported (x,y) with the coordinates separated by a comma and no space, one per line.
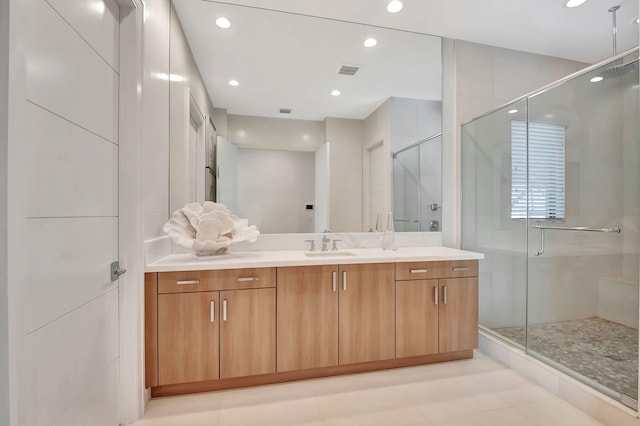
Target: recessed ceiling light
(394,6)
(335,93)
(370,42)
(596,79)
(513,111)
(574,3)
(636,20)
(234,83)
(223,22)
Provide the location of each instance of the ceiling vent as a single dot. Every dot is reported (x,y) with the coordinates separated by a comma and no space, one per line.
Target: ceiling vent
(285,111)
(347,70)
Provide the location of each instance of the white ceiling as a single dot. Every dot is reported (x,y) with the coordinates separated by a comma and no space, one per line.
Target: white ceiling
(537,26)
(289,61)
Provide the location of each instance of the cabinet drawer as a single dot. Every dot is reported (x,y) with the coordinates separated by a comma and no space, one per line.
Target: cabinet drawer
(443,269)
(224,279)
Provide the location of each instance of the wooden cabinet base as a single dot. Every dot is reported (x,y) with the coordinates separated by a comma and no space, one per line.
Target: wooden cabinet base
(289,376)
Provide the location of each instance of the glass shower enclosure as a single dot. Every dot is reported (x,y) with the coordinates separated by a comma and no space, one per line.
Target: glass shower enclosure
(417,186)
(551,196)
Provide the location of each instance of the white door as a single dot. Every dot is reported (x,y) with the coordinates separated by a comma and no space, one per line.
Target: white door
(374,183)
(228,174)
(70,307)
(322,196)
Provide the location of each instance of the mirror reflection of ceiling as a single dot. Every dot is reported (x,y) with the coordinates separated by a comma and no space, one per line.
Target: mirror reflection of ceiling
(545,27)
(284,60)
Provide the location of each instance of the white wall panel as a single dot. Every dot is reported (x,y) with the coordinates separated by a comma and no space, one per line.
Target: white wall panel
(66,76)
(72,172)
(97,21)
(98,406)
(73,258)
(69,355)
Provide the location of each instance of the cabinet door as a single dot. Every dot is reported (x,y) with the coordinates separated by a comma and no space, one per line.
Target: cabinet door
(416,318)
(307,317)
(367,314)
(248,332)
(187,337)
(458,314)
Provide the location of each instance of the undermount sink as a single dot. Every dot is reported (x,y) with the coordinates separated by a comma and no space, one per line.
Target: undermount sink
(329,254)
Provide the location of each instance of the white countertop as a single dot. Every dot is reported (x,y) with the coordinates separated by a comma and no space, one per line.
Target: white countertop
(262,259)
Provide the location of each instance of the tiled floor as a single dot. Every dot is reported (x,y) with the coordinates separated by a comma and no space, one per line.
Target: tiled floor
(462,393)
(600,350)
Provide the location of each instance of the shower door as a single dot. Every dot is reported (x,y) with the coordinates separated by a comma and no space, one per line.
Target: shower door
(582,165)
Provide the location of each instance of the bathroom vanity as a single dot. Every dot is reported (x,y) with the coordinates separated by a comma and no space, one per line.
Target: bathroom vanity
(254,318)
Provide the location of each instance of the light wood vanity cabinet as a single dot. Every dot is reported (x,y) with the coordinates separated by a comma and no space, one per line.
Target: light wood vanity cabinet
(204,335)
(208,330)
(436,315)
(187,337)
(335,315)
(307,317)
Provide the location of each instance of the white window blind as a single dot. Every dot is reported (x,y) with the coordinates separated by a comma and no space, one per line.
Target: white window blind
(547,171)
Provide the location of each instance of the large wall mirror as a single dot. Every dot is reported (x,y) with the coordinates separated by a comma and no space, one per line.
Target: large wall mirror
(304,124)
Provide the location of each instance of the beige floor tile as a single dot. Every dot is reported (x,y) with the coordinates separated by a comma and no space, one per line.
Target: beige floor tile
(500,417)
(397,417)
(202,418)
(299,411)
(452,407)
(555,411)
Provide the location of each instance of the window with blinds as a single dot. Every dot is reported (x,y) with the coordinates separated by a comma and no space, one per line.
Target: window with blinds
(546,174)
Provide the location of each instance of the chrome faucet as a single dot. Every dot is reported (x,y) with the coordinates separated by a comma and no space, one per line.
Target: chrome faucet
(325,241)
(313,244)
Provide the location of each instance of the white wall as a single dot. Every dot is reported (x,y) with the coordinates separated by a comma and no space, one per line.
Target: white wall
(275,133)
(4,288)
(412,120)
(155,120)
(345,189)
(274,187)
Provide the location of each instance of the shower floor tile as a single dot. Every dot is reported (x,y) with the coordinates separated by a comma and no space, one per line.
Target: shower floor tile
(601,350)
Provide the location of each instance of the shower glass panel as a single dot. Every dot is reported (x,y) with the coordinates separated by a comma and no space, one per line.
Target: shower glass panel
(417,187)
(487,225)
(584,177)
(551,196)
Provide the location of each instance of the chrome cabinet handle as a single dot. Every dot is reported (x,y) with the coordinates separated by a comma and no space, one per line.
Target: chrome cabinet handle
(444,295)
(248,279)
(224,310)
(188,282)
(436,294)
(335,279)
(344,281)
(459,269)
(212,311)
(417,271)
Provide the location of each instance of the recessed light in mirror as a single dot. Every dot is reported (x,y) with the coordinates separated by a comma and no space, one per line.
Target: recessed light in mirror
(574,3)
(513,111)
(370,42)
(636,20)
(223,23)
(335,93)
(234,83)
(596,79)
(394,6)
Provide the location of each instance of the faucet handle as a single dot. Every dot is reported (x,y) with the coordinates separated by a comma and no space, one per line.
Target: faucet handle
(313,244)
(335,247)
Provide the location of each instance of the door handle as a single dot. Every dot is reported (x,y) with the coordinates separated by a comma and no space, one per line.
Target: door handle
(212,311)
(224,310)
(344,281)
(335,279)
(444,294)
(248,279)
(436,294)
